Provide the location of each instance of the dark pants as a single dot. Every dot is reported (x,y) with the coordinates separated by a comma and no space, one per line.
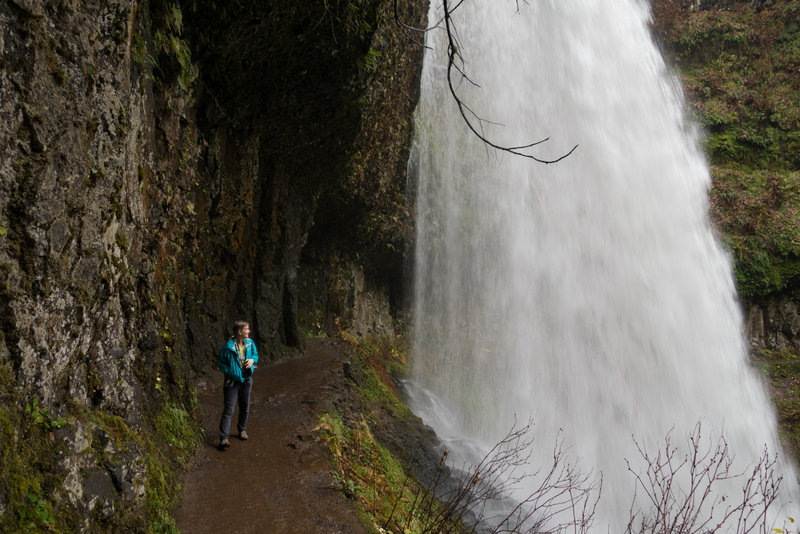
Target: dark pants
(233,391)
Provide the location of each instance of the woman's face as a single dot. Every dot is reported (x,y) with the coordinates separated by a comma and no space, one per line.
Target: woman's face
(244,332)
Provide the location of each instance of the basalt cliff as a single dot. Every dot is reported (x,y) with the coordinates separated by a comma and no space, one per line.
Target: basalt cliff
(166,168)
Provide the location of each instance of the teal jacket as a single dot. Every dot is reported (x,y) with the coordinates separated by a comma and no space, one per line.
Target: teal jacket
(228,359)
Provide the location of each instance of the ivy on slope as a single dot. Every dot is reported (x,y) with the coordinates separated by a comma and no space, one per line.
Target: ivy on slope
(760,214)
(741,72)
(365,441)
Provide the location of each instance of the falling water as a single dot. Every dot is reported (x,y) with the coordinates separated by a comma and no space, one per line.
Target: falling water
(590,294)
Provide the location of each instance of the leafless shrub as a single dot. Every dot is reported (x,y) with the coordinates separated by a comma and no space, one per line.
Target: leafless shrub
(699,504)
(692,492)
(563,499)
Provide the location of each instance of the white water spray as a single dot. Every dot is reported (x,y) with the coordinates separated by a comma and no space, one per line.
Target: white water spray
(590,294)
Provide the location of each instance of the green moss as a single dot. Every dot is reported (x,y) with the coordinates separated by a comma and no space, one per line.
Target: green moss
(121,240)
(759,215)
(176,437)
(27,457)
(177,428)
(162,493)
(30,449)
(782,372)
(739,70)
(168,44)
(381,362)
(391,498)
(168,40)
(28,454)
(146,62)
(367,472)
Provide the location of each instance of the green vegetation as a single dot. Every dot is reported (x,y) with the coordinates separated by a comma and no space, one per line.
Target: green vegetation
(739,69)
(379,362)
(389,497)
(177,428)
(26,453)
(168,40)
(36,449)
(367,473)
(167,43)
(371,471)
(759,212)
(357,18)
(782,371)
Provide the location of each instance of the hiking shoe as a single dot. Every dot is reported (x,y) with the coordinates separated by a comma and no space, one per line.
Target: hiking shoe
(224,444)
(243,435)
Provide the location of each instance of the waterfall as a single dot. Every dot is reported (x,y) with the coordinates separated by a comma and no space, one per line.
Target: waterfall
(590,294)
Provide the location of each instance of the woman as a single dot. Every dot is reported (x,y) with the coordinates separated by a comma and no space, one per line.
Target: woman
(237,360)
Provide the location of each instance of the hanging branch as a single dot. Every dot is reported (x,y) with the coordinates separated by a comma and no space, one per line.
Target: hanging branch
(454,60)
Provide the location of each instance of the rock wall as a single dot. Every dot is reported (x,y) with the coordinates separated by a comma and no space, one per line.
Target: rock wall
(72,120)
(326,94)
(77,136)
(774,325)
(166,168)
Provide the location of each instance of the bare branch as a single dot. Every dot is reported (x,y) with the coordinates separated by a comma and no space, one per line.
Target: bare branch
(455,62)
(453,54)
(700,506)
(562,500)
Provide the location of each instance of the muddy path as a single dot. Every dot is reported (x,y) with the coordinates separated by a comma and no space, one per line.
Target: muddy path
(278,481)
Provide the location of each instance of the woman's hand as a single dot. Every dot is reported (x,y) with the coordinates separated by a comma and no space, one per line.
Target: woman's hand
(248,364)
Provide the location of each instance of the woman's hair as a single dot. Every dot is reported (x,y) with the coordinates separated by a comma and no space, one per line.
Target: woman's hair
(238,325)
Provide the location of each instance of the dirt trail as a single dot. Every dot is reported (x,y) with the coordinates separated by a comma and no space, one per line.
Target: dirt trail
(279,481)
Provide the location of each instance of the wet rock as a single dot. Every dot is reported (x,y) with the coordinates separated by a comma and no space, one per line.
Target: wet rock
(93,485)
(774,324)
(77,457)
(371,313)
(31,7)
(99,492)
